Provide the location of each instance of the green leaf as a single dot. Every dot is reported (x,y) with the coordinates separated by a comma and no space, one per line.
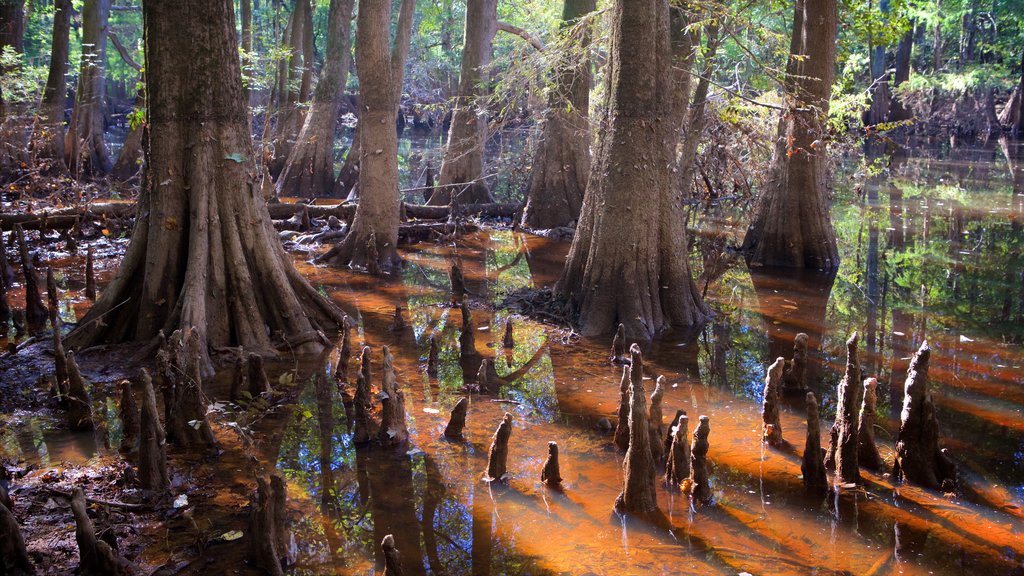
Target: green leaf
(237,157)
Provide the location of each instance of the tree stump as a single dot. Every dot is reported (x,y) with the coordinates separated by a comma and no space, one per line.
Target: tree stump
(813,466)
(35,311)
(79,415)
(393,431)
(467,339)
(432,357)
(398,324)
(793,374)
(129,412)
(267,534)
(638,494)
(550,475)
(458,283)
(770,404)
(619,346)
(363,426)
(843,448)
(152,445)
(457,421)
(392,560)
(96,557)
(14,558)
(677,464)
(867,451)
(918,457)
(259,384)
(508,341)
(699,462)
(90,276)
(497,456)
(655,417)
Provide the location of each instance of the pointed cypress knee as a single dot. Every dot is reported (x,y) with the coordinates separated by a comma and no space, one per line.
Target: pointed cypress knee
(619,346)
(363,425)
(90,276)
(79,415)
(129,413)
(53,300)
(152,445)
(677,465)
(95,556)
(259,384)
(621,437)
(843,450)
(392,560)
(669,436)
(393,431)
(35,311)
(867,451)
(918,456)
(550,475)
(793,374)
(654,421)
(263,549)
(699,462)
(813,466)
(467,339)
(432,357)
(508,341)
(457,422)
(13,553)
(770,404)
(638,494)
(497,456)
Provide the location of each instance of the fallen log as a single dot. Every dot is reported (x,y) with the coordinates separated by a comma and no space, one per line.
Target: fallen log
(61,218)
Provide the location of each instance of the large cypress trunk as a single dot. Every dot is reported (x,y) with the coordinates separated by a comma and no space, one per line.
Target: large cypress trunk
(373,238)
(48,134)
(628,261)
(791,225)
(310,166)
(203,253)
(904,51)
(462,167)
(561,164)
(85,151)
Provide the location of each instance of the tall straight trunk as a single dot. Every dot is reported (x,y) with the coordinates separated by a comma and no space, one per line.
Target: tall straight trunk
(48,134)
(691,118)
(246,17)
(629,258)
(561,164)
(904,52)
(292,87)
(462,167)
(85,150)
(12,145)
(203,254)
(373,238)
(968,35)
(937,40)
(1012,115)
(881,96)
(791,225)
(310,166)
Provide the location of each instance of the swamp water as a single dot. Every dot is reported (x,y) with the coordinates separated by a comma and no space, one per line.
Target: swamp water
(931,250)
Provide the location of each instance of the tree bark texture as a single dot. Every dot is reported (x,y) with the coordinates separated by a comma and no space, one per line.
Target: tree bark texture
(628,262)
(791,225)
(904,51)
(638,494)
(48,134)
(85,150)
(462,167)
(203,253)
(309,170)
(561,164)
(372,240)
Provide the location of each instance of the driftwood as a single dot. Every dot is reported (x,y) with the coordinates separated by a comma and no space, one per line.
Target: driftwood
(677,465)
(457,421)
(619,346)
(918,457)
(268,536)
(867,451)
(95,556)
(90,276)
(770,404)
(14,558)
(35,311)
(813,466)
(393,431)
(699,462)
(497,456)
(458,284)
(655,417)
(432,357)
(842,451)
(152,446)
(129,412)
(363,424)
(638,493)
(79,415)
(392,560)
(793,374)
(550,475)
(509,340)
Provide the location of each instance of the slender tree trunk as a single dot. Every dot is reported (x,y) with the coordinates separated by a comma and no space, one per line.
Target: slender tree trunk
(881,96)
(48,134)
(309,170)
(292,86)
(246,17)
(937,40)
(561,164)
(12,145)
(904,52)
(203,253)
(692,118)
(629,258)
(968,35)
(462,167)
(85,150)
(791,225)
(373,238)
(129,159)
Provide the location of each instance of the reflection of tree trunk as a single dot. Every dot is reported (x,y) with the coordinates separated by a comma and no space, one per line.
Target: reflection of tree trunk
(432,496)
(799,301)
(871,273)
(393,505)
(483,536)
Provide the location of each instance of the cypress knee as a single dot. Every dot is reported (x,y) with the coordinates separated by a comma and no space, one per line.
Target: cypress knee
(363,425)
(457,422)
(94,555)
(621,438)
(259,384)
(129,412)
(13,554)
(35,311)
(508,341)
(619,346)
(497,456)
(550,474)
(793,374)
(398,323)
(677,466)
(770,404)
(467,340)
(344,352)
(393,431)
(392,560)
(654,417)
(79,414)
(843,450)
(638,495)
(263,549)
(152,446)
(699,462)
(918,457)
(458,283)
(813,466)
(90,276)
(867,451)
(432,357)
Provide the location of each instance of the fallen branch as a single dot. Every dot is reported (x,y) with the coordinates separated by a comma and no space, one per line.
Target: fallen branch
(92,500)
